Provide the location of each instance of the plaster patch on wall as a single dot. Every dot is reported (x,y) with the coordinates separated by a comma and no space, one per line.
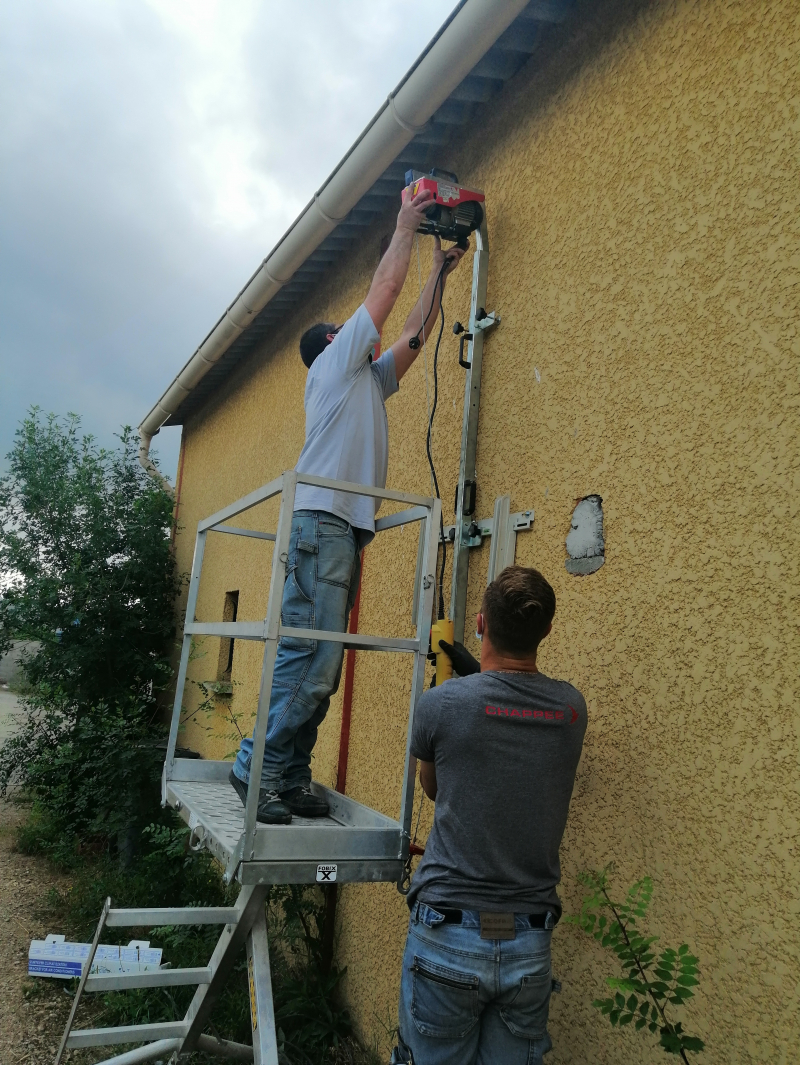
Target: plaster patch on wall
(585,541)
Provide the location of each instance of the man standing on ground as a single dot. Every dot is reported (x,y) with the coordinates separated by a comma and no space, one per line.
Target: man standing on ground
(498,752)
(347,439)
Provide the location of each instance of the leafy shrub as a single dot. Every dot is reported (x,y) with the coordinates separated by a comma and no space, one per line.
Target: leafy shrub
(84,538)
(90,578)
(653,982)
(89,575)
(97,774)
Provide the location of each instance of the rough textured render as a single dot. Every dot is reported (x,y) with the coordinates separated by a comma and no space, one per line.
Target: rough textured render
(643,201)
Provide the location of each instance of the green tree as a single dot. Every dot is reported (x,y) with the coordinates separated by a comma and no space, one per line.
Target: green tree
(90,577)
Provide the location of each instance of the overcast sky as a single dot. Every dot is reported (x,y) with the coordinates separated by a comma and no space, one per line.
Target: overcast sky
(152,153)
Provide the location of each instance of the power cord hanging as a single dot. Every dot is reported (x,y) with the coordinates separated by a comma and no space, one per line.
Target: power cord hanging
(440,283)
(414,343)
(424,346)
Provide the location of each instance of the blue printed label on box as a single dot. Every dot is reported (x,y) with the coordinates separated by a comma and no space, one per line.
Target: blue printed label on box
(55,957)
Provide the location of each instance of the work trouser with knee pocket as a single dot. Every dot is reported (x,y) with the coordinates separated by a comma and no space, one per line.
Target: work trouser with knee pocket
(323,569)
(465,1000)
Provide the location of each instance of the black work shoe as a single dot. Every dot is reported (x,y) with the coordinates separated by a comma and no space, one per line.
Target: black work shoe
(271,811)
(302,802)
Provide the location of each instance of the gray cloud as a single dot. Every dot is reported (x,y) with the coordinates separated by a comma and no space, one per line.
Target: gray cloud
(152,154)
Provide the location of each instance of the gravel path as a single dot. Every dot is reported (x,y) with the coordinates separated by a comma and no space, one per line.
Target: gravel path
(9,710)
(32,1013)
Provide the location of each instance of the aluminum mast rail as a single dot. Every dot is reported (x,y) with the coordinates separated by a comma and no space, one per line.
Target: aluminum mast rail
(353,843)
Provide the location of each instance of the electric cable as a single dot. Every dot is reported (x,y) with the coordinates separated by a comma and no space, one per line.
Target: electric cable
(419,816)
(440,284)
(424,346)
(414,343)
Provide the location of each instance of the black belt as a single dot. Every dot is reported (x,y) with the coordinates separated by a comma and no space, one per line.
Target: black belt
(451,916)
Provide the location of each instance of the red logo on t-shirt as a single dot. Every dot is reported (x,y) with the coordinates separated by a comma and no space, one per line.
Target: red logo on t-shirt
(537,715)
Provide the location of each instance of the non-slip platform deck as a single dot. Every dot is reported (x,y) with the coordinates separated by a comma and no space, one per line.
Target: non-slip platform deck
(219,810)
(214,812)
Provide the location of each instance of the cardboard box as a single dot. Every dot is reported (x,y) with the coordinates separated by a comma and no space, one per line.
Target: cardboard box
(54,957)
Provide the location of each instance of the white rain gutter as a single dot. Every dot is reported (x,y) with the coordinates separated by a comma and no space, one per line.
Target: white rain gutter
(465,37)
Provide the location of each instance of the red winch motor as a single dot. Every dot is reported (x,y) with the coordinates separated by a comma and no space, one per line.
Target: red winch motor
(455,211)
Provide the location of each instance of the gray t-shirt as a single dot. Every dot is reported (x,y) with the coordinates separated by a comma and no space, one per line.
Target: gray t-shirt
(347,432)
(506,747)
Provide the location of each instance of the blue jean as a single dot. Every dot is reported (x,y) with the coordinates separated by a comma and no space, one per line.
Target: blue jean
(322,574)
(471,1001)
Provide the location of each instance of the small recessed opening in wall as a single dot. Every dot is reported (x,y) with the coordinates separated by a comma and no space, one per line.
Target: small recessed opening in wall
(585,542)
(229,613)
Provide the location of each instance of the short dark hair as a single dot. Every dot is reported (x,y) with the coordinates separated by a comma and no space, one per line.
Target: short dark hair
(518,607)
(314,341)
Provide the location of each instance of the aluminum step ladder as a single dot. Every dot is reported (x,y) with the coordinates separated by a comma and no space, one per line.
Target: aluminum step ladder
(353,843)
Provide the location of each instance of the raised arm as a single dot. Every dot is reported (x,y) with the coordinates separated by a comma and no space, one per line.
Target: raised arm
(444,263)
(392,270)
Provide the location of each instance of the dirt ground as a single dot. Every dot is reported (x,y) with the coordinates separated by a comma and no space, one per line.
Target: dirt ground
(32,1012)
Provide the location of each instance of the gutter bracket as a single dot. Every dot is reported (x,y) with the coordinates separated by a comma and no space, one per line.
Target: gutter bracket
(328,218)
(408,126)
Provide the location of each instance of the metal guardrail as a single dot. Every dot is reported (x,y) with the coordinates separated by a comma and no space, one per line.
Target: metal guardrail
(364,844)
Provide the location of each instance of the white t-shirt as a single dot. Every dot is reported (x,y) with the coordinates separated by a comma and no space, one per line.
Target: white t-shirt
(347,432)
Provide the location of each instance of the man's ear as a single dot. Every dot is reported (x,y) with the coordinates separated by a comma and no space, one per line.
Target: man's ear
(480,625)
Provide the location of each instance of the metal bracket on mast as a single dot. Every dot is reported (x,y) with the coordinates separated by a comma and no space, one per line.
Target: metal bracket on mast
(502,527)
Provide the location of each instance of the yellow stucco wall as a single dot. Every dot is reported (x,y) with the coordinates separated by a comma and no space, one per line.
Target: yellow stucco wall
(643,201)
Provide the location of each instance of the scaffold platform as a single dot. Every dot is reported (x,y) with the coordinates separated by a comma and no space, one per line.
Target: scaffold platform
(353,843)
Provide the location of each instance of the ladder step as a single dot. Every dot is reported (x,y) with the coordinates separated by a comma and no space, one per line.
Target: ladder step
(352,639)
(149,1052)
(232,630)
(171,916)
(155,978)
(391,521)
(224,1048)
(256,630)
(242,532)
(130,1033)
